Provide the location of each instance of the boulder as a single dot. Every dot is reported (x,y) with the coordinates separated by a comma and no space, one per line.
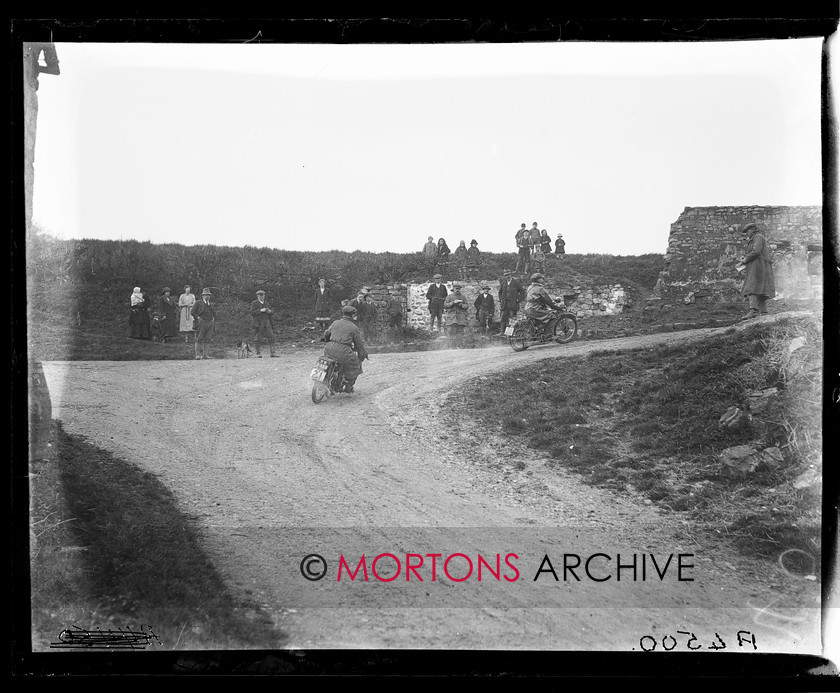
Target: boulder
(739,461)
(772,458)
(795,344)
(809,480)
(760,399)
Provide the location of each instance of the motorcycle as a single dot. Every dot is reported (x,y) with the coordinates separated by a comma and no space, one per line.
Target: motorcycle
(327,379)
(560,328)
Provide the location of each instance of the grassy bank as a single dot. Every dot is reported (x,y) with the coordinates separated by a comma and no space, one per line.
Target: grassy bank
(647,421)
(112,549)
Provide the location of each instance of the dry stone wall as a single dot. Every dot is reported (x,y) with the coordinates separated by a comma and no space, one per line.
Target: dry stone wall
(705,244)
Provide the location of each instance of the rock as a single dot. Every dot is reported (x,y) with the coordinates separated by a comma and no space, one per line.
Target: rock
(739,461)
(797,343)
(809,480)
(760,399)
(772,458)
(689,298)
(734,418)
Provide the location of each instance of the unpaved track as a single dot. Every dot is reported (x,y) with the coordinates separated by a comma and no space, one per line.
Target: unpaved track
(251,458)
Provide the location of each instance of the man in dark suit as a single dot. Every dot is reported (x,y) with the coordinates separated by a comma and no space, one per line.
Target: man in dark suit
(205,316)
(485,306)
(511,294)
(436,293)
(261,321)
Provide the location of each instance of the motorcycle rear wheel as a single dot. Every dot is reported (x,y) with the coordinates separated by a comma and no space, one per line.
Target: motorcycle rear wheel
(520,339)
(565,329)
(318,393)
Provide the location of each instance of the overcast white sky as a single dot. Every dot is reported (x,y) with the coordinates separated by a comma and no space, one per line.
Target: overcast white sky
(376,147)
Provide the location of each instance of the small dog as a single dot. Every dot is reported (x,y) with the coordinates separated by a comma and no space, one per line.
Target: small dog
(243,350)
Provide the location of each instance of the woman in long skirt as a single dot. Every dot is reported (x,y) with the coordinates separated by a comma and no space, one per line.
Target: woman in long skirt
(185,304)
(168,315)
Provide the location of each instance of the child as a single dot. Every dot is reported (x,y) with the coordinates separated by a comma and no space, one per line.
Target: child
(136,297)
(473,259)
(156,331)
(461,259)
(559,245)
(538,259)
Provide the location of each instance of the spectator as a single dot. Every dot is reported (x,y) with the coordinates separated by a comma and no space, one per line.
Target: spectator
(442,257)
(358,302)
(520,233)
(511,294)
(456,317)
(205,313)
(545,242)
(155,327)
(146,315)
(538,259)
(168,315)
(461,259)
(485,307)
(394,310)
(523,262)
(262,324)
(136,323)
(473,259)
(559,245)
(534,235)
(436,294)
(759,281)
(185,303)
(430,254)
(323,300)
(368,318)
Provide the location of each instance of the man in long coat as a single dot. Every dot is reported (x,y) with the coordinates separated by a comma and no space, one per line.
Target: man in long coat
(345,345)
(430,254)
(456,316)
(205,316)
(485,306)
(511,294)
(436,294)
(759,281)
(262,324)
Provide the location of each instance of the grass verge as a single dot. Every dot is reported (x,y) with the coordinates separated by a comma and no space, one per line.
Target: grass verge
(647,421)
(110,548)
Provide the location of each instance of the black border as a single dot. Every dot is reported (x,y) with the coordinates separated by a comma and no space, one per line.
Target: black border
(601,23)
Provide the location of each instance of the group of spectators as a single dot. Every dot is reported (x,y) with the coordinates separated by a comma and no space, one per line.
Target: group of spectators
(328,311)
(438,258)
(534,247)
(163,320)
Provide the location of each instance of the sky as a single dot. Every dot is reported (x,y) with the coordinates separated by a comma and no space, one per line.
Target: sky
(376,147)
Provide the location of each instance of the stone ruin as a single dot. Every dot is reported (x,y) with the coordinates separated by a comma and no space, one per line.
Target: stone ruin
(705,244)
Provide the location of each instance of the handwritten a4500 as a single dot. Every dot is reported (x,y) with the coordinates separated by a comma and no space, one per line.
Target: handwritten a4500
(668,642)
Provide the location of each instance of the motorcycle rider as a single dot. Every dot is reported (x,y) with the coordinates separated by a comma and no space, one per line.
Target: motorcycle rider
(538,304)
(344,344)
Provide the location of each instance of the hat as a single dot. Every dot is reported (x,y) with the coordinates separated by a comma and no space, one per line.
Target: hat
(456,286)
(485,288)
(206,292)
(559,235)
(537,277)
(166,288)
(535,224)
(437,276)
(431,238)
(523,226)
(473,242)
(260,291)
(747,227)
(348,310)
(463,242)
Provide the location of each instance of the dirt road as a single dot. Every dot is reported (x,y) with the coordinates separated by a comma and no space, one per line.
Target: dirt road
(273,477)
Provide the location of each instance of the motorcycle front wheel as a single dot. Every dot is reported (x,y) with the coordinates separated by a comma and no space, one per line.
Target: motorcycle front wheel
(318,393)
(519,340)
(565,329)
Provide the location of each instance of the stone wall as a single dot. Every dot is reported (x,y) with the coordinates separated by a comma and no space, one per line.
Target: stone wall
(583,300)
(705,244)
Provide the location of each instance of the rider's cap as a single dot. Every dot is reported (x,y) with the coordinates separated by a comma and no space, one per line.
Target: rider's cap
(537,277)
(348,310)
(206,292)
(260,291)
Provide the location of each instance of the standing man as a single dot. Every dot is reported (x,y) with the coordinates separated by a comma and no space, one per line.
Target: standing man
(430,254)
(205,314)
(394,310)
(484,309)
(510,295)
(358,302)
(456,316)
(759,281)
(436,294)
(262,323)
(368,318)
(523,262)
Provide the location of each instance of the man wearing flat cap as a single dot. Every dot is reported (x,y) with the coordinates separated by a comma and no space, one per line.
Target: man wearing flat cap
(456,316)
(261,322)
(204,314)
(759,281)
(436,295)
(345,345)
(511,294)
(485,306)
